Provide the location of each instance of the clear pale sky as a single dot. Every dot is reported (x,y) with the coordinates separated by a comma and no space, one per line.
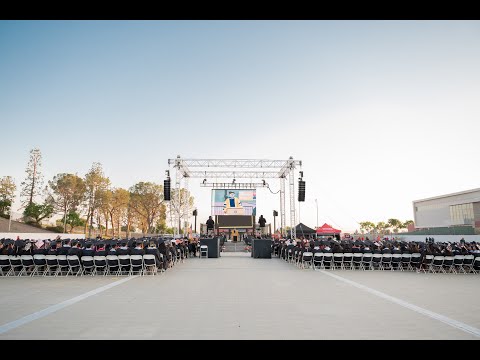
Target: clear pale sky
(380,112)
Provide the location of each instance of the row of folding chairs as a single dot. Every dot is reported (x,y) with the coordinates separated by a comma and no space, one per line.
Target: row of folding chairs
(400,262)
(65,265)
(451,264)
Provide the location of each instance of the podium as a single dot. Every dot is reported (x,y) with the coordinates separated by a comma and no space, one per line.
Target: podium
(262,248)
(234,211)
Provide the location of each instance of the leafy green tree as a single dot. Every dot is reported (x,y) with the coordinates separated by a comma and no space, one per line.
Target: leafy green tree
(366,226)
(32,186)
(146,200)
(95,183)
(7,194)
(395,224)
(74,220)
(68,191)
(381,227)
(38,212)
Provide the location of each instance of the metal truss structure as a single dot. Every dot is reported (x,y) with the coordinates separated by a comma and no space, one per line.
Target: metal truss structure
(239,169)
(235,185)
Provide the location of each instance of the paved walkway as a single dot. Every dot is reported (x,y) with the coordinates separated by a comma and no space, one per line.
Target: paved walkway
(238,297)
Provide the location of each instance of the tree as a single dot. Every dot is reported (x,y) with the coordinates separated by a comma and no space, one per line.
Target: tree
(74,220)
(367,226)
(146,200)
(395,224)
(38,212)
(68,193)
(381,227)
(33,183)
(95,183)
(7,195)
(407,223)
(180,209)
(117,207)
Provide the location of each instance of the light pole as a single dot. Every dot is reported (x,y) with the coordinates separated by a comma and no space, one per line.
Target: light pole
(316,203)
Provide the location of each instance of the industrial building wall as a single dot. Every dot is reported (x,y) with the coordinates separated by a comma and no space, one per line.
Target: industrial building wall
(436,212)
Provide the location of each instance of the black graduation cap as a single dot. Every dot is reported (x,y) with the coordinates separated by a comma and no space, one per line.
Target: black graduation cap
(9,241)
(358,242)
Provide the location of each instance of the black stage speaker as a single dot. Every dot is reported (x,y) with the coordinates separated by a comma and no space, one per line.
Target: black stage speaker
(301,190)
(166,189)
(262,248)
(213,246)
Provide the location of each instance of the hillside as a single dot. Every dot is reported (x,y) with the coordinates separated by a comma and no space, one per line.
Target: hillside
(19,227)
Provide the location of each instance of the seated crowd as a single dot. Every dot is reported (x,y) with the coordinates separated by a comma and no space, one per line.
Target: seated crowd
(283,248)
(166,250)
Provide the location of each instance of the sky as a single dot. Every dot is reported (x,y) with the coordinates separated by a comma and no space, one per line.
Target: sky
(381,113)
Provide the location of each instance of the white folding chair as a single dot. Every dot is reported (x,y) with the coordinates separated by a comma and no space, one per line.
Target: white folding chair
(318,260)
(337,261)
(386,262)
(327,261)
(113,265)
(377,261)
(367,259)
(405,263)
(27,265)
(427,262)
(468,262)
(100,263)
(62,265)
(124,261)
(396,262)
(415,261)
(357,261)
(52,265)
(307,257)
(4,265)
(74,265)
(475,267)
(150,264)
(437,264)
(40,262)
(15,265)
(88,265)
(136,264)
(347,261)
(458,264)
(448,265)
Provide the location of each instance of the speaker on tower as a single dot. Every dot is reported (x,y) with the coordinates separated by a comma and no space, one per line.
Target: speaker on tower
(166,189)
(301,190)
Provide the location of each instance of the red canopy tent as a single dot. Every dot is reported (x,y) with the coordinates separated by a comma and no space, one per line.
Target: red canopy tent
(326,229)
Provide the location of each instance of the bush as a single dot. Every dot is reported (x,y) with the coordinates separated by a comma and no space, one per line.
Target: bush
(57,229)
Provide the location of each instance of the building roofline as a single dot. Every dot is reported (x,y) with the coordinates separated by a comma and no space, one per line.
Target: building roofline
(448,195)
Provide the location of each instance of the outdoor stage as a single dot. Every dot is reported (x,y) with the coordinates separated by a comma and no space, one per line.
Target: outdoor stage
(238,297)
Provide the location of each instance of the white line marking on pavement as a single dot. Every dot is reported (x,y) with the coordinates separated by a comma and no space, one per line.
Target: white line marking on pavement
(446,320)
(51,309)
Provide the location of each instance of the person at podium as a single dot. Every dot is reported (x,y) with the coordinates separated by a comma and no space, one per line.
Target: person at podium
(231,202)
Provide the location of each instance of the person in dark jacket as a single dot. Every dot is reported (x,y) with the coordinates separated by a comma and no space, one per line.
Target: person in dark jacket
(88,251)
(65,248)
(100,250)
(138,250)
(153,250)
(123,249)
(75,249)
